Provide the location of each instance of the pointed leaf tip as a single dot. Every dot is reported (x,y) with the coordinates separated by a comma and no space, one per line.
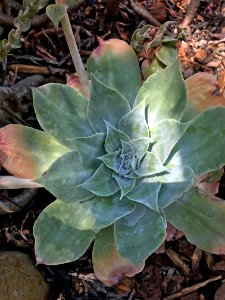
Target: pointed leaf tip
(106,104)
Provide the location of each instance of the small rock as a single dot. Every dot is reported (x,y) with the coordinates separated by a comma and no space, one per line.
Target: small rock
(19,279)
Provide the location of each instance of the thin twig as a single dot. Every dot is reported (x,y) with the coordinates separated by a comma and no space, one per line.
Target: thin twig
(143,12)
(192,288)
(17,203)
(14,115)
(176,259)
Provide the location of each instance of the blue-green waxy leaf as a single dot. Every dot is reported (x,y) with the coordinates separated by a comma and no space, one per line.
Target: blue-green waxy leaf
(140,147)
(127,148)
(175,182)
(115,63)
(111,160)
(56,12)
(62,112)
(144,226)
(202,146)
(127,160)
(150,165)
(201,219)
(27,152)
(90,148)
(134,124)
(64,177)
(165,135)
(106,104)
(113,138)
(126,184)
(107,210)
(63,232)
(146,192)
(165,94)
(167,54)
(101,183)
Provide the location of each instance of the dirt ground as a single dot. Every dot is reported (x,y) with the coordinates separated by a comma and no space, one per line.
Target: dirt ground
(182,271)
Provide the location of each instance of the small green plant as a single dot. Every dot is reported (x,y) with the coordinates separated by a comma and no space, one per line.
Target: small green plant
(22,24)
(160,50)
(121,164)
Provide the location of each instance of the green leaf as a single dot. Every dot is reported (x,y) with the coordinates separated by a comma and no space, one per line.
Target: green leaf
(90,148)
(201,219)
(111,160)
(115,63)
(144,226)
(165,93)
(150,165)
(56,12)
(27,152)
(202,146)
(166,40)
(101,183)
(150,67)
(127,148)
(146,192)
(113,138)
(63,232)
(127,161)
(64,177)
(167,54)
(126,184)
(140,147)
(134,124)
(38,4)
(106,104)
(22,21)
(107,210)
(62,112)
(165,135)
(175,182)
(109,266)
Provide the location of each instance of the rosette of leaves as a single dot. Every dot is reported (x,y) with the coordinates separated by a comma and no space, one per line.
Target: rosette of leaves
(161,50)
(121,164)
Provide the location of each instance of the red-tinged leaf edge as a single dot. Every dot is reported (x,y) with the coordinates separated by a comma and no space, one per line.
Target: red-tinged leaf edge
(26,152)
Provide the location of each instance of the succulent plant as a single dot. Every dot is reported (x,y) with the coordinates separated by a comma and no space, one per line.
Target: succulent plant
(121,164)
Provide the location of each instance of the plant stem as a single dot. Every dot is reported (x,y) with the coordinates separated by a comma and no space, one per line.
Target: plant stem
(81,72)
(191,11)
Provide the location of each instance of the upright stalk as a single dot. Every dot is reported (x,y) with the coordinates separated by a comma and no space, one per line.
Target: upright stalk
(191,12)
(82,74)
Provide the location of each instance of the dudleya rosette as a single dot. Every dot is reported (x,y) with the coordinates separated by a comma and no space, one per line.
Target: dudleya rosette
(119,163)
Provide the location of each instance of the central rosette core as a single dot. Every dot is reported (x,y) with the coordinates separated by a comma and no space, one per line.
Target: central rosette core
(125,161)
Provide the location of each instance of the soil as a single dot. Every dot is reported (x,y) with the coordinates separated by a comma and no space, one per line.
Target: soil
(182,271)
